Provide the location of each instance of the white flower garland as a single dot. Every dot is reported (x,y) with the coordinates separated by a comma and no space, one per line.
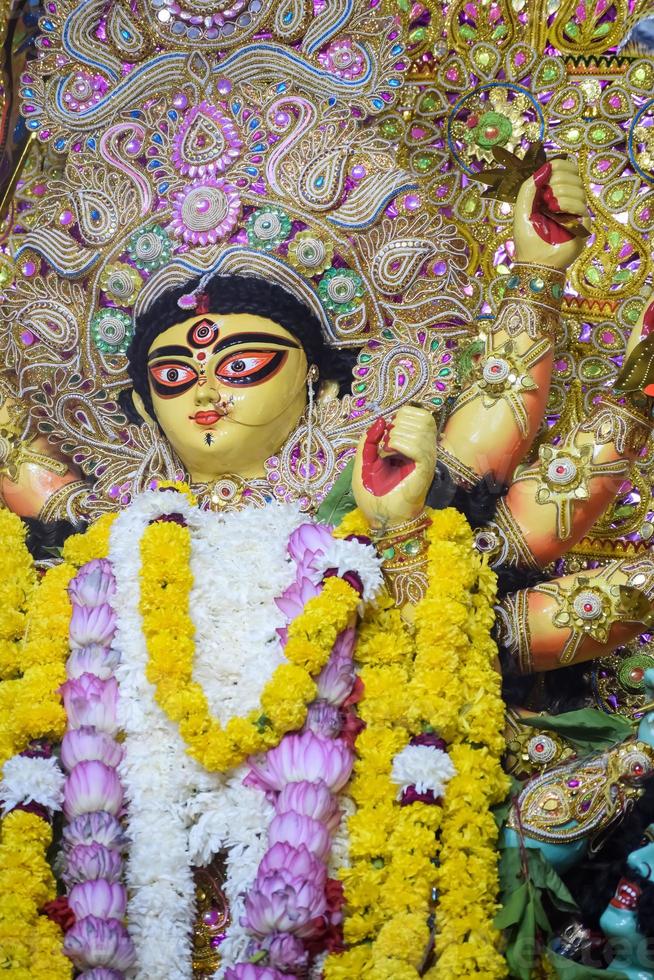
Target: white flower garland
(179,815)
(31,780)
(423,766)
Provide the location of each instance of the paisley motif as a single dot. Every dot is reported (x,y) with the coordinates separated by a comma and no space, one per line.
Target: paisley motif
(321,181)
(206,143)
(397,264)
(96,215)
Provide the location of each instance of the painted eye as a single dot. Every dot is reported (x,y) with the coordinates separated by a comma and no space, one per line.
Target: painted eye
(247,365)
(202,333)
(172,375)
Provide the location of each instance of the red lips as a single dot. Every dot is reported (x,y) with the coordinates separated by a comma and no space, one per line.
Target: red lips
(626,895)
(206,418)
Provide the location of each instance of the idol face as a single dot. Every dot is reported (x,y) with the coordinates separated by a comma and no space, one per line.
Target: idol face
(226,390)
(619,920)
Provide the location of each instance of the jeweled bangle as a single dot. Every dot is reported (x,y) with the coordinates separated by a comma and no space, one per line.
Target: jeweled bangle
(513,633)
(462,475)
(404,552)
(503,542)
(536,284)
(623,424)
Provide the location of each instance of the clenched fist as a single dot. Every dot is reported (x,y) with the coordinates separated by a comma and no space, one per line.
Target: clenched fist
(539,238)
(394,467)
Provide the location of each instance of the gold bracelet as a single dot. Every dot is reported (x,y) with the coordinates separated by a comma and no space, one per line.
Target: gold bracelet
(538,285)
(404,552)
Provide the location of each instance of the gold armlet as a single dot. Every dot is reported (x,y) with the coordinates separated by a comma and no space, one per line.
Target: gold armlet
(404,552)
(513,633)
(503,542)
(589,606)
(67,503)
(530,750)
(622,424)
(583,797)
(463,476)
(531,302)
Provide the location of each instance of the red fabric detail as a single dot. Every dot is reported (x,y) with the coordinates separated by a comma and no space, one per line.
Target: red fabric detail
(59,911)
(202,305)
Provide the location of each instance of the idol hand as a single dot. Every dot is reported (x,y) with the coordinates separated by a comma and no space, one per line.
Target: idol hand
(555,189)
(394,467)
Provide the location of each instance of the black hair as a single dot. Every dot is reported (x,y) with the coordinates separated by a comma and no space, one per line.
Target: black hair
(235,294)
(44,541)
(594,880)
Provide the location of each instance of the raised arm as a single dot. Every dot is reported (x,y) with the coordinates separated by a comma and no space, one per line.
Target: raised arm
(496,419)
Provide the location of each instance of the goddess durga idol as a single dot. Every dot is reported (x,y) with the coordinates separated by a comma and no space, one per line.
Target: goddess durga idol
(262,691)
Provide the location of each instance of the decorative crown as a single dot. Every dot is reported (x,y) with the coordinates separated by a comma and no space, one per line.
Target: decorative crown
(215,138)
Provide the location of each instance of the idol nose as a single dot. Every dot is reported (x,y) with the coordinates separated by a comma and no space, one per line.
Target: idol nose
(206,391)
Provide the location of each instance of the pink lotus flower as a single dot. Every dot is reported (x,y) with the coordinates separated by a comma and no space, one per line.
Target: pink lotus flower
(93,585)
(308,541)
(88,862)
(279,902)
(324,720)
(85,743)
(91,701)
(336,680)
(296,861)
(303,757)
(285,952)
(296,596)
(103,899)
(248,971)
(95,659)
(99,942)
(92,625)
(310,800)
(101,973)
(295,829)
(92,786)
(99,828)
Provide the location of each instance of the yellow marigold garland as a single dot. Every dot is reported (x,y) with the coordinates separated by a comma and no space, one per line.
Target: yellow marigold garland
(440,678)
(166,582)
(33,652)
(17,583)
(30,944)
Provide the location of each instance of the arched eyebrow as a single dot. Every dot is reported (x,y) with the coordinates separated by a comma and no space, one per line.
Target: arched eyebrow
(172,349)
(247,338)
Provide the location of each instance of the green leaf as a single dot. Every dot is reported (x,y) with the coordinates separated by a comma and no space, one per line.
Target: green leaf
(543,876)
(569,970)
(521,952)
(501,811)
(514,908)
(587,730)
(340,499)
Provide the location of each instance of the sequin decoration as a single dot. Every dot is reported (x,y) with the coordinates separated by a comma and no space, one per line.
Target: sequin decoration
(205,212)
(121,282)
(111,331)
(310,254)
(340,289)
(84,90)
(150,248)
(343,58)
(268,227)
(206,143)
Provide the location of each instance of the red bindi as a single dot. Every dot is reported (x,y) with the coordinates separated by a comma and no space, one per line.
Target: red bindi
(201,355)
